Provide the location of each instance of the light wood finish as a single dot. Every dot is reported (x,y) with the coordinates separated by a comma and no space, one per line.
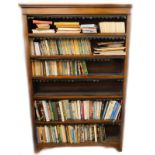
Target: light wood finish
(118,77)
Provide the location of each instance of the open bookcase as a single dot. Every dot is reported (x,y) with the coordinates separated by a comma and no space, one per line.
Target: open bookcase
(82,102)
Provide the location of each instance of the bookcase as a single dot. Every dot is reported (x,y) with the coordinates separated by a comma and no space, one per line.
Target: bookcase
(104,82)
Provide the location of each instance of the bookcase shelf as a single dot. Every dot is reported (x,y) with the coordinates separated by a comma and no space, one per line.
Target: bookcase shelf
(102,76)
(77,35)
(80,122)
(61,57)
(109,142)
(82,95)
(90,78)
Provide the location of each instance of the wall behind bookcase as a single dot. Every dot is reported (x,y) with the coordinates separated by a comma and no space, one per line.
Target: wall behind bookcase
(15,130)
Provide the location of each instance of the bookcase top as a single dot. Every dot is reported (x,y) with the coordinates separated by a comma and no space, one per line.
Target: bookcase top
(75,5)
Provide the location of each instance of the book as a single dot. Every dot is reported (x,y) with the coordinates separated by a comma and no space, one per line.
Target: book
(112,27)
(68,31)
(48,47)
(88,28)
(54,68)
(120,52)
(109,109)
(66,23)
(63,110)
(41,22)
(43,31)
(109,48)
(70,133)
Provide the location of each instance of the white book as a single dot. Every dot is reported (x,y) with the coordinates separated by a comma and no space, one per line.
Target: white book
(110,53)
(77,31)
(68,29)
(37,48)
(47,52)
(79,109)
(62,130)
(45,110)
(109,109)
(97,110)
(120,27)
(85,134)
(56,134)
(47,68)
(100,104)
(113,27)
(95,133)
(61,111)
(87,25)
(53,68)
(51,134)
(75,108)
(47,134)
(43,31)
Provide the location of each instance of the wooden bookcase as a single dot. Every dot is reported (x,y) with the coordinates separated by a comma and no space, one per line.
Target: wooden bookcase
(111,84)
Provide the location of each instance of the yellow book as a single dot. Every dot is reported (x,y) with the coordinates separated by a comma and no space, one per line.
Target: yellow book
(66,23)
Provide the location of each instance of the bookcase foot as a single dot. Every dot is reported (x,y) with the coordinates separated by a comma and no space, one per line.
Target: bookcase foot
(119,148)
(37,150)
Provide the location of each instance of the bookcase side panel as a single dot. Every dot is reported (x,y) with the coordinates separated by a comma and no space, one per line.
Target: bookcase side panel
(29,74)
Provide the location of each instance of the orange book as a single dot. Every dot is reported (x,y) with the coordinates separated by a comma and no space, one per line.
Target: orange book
(41,22)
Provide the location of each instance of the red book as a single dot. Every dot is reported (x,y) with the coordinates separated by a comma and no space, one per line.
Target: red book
(82,111)
(41,22)
(91,110)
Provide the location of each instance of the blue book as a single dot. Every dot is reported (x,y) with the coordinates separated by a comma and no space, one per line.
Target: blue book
(105,109)
(117,111)
(73,136)
(114,110)
(37,135)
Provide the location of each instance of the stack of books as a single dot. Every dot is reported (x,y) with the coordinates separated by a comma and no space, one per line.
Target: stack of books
(42,26)
(60,47)
(89,28)
(109,48)
(48,110)
(67,27)
(49,68)
(72,134)
(112,27)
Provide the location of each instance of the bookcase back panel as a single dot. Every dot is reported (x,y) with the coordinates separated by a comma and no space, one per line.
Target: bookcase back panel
(105,66)
(112,130)
(78,86)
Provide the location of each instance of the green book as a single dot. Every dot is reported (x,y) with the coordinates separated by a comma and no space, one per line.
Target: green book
(85,67)
(50,106)
(55,113)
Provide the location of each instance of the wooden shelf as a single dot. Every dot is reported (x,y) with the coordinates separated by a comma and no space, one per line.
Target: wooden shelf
(112,142)
(101,76)
(58,57)
(77,95)
(79,122)
(75,34)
